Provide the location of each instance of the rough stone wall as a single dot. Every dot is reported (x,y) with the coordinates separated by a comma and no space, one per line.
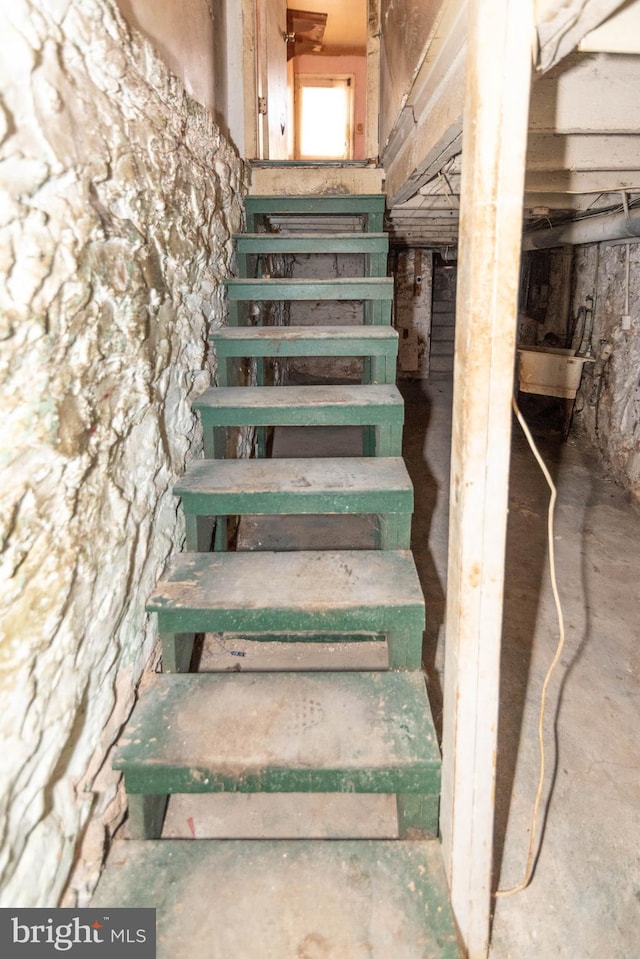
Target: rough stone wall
(117,203)
(608,404)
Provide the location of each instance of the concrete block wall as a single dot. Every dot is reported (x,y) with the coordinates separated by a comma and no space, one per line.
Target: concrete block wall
(118,199)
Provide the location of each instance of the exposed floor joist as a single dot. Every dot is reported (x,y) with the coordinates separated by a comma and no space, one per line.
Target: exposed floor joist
(584,122)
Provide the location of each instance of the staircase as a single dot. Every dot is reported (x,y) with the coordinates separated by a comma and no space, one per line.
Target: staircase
(342,729)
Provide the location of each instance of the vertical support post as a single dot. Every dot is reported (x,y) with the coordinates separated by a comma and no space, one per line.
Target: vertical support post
(372,147)
(146,815)
(499,56)
(177,649)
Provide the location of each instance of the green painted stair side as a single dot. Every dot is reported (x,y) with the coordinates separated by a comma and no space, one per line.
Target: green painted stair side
(374,247)
(283,899)
(377,343)
(282,732)
(367,243)
(363,485)
(379,406)
(306,591)
(375,292)
(370,206)
(336,288)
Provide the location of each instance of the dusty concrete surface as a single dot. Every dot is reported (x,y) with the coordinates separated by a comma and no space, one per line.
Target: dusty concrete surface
(584,899)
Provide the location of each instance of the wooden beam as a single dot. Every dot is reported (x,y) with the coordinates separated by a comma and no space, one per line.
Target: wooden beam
(582,152)
(562,24)
(428,130)
(572,201)
(372,146)
(499,60)
(619,34)
(576,181)
(588,93)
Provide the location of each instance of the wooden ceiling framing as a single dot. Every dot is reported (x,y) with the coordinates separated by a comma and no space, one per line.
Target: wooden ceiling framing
(584,124)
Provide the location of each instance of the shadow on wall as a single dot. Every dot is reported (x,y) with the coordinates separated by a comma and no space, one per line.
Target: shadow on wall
(429,493)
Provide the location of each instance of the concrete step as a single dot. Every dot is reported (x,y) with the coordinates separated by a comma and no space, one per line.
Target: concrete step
(364,485)
(379,344)
(377,406)
(346,592)
(283,899)
(368,732)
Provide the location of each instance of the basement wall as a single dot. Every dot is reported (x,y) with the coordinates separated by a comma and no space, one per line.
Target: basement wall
(609,398)
(607,406)
(118,198)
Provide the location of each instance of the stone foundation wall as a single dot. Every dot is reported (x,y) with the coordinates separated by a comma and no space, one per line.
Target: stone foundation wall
(609,398)
(118,198)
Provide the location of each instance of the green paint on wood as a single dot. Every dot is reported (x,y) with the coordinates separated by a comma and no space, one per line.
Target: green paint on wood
(351,288)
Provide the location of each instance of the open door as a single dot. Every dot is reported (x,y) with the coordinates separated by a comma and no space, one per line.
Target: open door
(273,96)
(335,39)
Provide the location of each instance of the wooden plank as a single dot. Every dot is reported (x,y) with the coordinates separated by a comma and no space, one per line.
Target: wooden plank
(429,129)
(340,204)
(297,486)
(377,344)
(310,591)
(282,732)
(576,181)
(295,340)
(345,288)
(309,583)
(561,25)
(552,152)
(588,93)
(496,105)
(370,206)
(312,242)
(304,179)
(302,893)
(301,406)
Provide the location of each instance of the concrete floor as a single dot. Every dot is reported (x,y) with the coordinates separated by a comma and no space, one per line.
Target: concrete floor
(584,899)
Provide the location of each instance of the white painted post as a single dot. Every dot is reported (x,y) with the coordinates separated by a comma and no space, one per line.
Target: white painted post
(499,63)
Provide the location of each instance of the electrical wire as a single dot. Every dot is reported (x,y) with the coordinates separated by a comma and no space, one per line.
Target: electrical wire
(531,857)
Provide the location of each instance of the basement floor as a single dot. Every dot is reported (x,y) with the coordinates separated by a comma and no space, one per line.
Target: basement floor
(584,899)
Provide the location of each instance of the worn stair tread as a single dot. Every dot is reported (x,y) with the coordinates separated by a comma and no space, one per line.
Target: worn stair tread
(313,583)
(274,405)
(340,484)
(336,288)
(383,336)
(365,732)
(278,899)
(312,242)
